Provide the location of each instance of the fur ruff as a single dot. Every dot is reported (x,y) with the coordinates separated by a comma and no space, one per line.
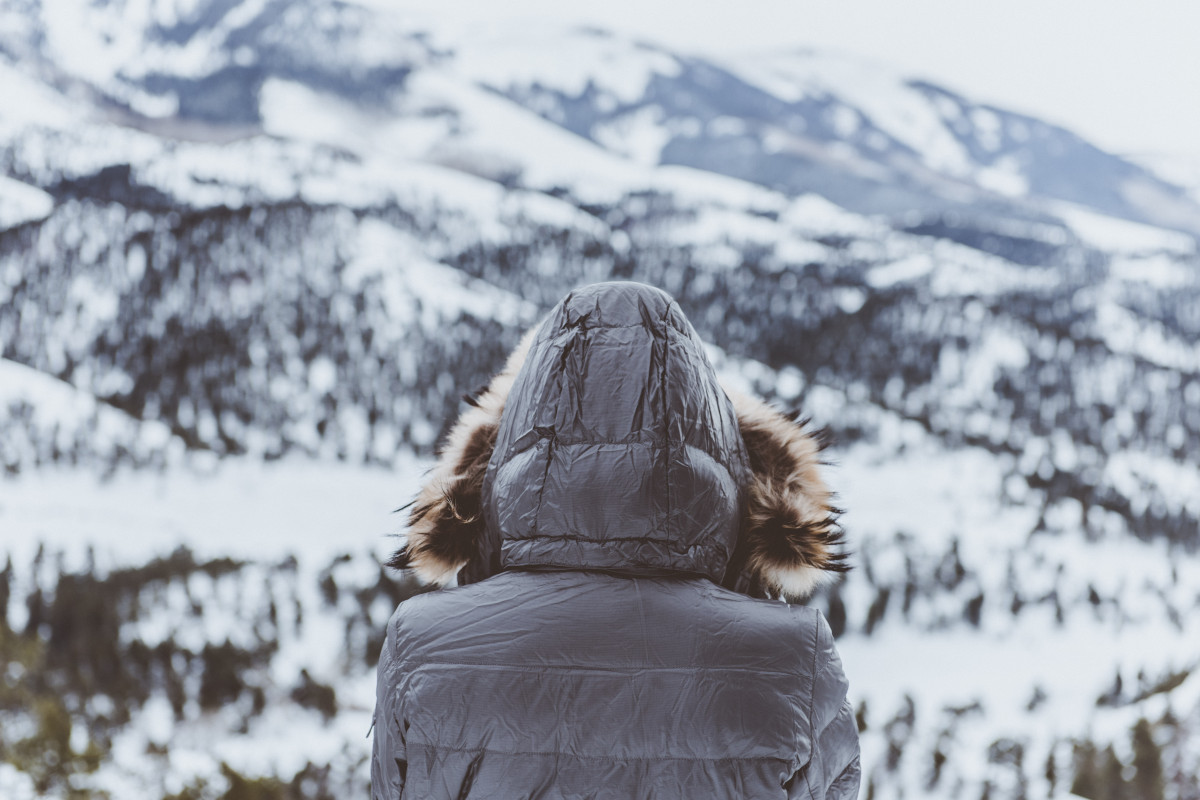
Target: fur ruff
(445,525)
(790,535)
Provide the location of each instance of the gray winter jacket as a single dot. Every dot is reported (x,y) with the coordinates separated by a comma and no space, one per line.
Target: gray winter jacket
(622,529)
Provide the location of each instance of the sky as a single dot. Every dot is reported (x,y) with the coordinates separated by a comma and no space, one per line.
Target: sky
(1124,74)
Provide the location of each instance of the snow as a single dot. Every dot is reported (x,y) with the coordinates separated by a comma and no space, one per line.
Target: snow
(965,271)
(1132,472)
(1124,332)
(1176,168)
(639,135)
(84,39)
(703,187)
(244,510)
(1159,270)
(1110,233)
(884,97)
(902,271)
(30,102)
(850,300)
(510,57)
(16,784)
(931,493)
(70,415)
(293,110)
(929,497)
(976,374)
(239,509)
(20,202)
(452,151)
(987,128)
(416,289)
(800,251)
(1000,672)
(547,155)
(1004,177)
(815,215)
(322,375)
(844,120)
(709,226)
(543,209)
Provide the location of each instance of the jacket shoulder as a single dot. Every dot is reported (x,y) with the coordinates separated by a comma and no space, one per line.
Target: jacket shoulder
(801,630)
(420,616)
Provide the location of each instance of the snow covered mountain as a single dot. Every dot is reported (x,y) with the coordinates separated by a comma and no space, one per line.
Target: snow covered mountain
(252,253)
(796,122)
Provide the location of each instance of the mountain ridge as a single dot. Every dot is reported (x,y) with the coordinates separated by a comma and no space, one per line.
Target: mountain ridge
(868,138)
(300,296)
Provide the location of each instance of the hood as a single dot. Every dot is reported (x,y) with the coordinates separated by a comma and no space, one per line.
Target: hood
(608,443)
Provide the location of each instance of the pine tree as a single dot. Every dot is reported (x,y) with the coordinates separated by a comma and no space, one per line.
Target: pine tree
(860,716)
(1147,760)
(1086,782)
(837,613)
(1113,786)
(877,610)
(973,611)
(5,591)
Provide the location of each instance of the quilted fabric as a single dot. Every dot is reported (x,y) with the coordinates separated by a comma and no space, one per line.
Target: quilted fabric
(591,652)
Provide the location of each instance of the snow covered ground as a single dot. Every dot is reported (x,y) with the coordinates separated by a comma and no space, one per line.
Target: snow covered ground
(242,509)
(1031,677)
(333,519)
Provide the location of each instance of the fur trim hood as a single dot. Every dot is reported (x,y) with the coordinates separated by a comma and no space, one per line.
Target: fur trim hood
(606,442)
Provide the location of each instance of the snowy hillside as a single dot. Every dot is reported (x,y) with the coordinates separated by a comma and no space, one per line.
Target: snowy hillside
(1181,170)
(253,253)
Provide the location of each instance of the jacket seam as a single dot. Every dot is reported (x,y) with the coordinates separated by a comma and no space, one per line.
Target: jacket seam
(451,748)
(812,717)
(668,519)
(536,536)
(627,442)
(665,321)
(577,538)
(540,667)
(537,515)
(854,762)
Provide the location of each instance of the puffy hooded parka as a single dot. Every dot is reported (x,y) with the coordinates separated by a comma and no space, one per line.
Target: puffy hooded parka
(623,532)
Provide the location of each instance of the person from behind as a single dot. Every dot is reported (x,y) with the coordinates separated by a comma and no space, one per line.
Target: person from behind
(622,531)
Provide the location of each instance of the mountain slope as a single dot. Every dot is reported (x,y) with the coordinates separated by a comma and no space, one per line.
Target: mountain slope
(235,234)
(801,121)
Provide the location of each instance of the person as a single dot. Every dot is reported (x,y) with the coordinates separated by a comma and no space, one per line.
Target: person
(622,530)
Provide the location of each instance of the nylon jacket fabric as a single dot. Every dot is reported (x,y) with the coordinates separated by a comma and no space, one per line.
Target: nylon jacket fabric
(592,652)
(617,448)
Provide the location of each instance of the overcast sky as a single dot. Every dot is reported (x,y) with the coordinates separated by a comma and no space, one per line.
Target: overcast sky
(1124,73)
